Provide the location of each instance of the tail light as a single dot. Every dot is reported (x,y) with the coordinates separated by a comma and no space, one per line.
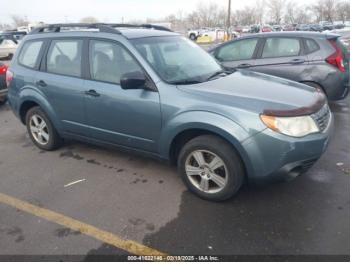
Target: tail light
(9,78)
(336,59)
(3,69)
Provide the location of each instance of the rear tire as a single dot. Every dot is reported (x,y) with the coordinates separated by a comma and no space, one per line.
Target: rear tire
(211,168)
(41,130)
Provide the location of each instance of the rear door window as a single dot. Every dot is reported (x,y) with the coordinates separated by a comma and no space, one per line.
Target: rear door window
(30,53)
(64,57)
(281,47)
(237,50)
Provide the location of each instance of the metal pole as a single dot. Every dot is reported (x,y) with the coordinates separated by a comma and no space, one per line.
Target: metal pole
(228,23)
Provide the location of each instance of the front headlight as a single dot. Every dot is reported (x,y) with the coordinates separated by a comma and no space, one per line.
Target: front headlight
(291,126)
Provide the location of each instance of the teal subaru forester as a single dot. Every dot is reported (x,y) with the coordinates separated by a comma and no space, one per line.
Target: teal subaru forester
(146,89)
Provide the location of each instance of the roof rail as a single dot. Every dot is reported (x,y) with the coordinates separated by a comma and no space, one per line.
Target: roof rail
(57,28)
(102,27)
(147,26)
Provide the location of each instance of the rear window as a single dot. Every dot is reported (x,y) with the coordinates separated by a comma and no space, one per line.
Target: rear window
(64,57)
(281,47)
(30,53)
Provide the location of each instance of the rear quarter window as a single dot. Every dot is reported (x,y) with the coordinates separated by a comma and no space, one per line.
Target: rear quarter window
(30,53)
(311,46)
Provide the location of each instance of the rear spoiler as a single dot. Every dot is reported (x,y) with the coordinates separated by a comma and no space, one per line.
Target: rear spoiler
(330,36)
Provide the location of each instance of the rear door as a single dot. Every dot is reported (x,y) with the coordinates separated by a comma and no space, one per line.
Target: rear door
(238,53)
(282,57)
(60,79)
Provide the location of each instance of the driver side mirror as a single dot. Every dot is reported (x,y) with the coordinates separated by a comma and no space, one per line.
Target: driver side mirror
(133,80)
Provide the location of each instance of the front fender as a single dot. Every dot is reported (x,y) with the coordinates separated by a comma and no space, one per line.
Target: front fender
(208,121)
(30,94)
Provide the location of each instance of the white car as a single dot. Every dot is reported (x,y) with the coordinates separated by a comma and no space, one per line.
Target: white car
(7,48)
(193,34)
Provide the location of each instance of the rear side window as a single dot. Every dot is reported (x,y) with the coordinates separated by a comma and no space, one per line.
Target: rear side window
(239,50)
(64,57)
(109,61)
(280,47)
(311,45)
(30,53)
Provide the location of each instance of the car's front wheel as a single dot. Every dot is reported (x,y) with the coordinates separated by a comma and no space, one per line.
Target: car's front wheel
(41,131)
(211,168)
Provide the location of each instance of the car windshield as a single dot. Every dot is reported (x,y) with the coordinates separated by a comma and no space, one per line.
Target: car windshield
(177,60)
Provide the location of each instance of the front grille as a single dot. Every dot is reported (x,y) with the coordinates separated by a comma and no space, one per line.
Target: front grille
(322,117)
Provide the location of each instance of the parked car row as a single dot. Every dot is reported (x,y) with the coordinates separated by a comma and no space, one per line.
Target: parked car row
(316,27)
(156,92)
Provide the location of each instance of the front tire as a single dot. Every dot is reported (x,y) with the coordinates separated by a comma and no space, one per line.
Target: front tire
(211,168)
(41,130)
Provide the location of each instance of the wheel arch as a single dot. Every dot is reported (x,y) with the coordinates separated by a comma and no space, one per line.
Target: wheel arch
(189,125)
(30,98)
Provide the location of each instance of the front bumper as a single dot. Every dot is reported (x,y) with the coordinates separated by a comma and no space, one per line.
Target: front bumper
(274,156)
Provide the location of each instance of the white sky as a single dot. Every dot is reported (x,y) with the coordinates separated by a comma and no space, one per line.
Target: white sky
(54,11)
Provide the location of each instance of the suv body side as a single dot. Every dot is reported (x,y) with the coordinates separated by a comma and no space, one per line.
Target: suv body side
(168,113)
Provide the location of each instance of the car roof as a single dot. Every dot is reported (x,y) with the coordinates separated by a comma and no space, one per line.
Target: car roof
(287,34)
(291,34)
(129,33)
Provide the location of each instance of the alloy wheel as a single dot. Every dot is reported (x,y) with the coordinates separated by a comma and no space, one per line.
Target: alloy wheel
(206,171)
(39,129)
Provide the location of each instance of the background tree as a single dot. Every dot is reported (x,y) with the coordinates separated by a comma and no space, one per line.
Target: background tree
(18,20)
(276,10)
(89,19)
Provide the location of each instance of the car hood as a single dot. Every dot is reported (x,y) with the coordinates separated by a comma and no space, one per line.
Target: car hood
(260,93)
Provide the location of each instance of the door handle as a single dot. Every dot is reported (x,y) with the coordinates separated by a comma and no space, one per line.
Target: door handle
(244,65)
(297,61)
(92,92)
(41,83)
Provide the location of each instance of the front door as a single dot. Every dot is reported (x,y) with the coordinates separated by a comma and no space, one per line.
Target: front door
(130,118)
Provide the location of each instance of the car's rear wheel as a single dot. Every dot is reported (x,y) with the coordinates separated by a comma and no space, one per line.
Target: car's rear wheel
(211,168)
(41,131)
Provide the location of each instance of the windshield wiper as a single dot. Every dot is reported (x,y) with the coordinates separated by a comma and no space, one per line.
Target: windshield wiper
(217,73)
(185,82)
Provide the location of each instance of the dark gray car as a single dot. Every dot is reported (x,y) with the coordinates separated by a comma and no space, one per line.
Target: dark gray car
(315,59)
